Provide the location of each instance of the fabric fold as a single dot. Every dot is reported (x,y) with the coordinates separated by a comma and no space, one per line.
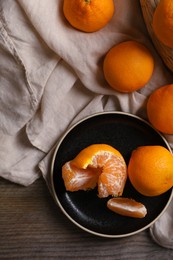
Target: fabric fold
(162,231)
(51,76)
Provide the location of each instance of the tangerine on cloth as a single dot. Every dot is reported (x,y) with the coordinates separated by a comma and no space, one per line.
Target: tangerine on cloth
(51,76)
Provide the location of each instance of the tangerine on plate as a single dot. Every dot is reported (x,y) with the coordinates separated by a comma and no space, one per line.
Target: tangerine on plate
(88,15)
(163,22)
(128,66)
(97,164)
(150,170)
(160,109)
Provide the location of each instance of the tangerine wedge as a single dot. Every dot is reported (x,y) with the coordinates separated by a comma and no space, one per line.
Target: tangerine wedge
(97,164)
(79,179)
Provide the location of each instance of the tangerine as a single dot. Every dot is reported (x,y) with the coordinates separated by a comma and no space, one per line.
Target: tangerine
(128,66)
(150,170)
(88,15)
(160,109)
(97,164)
(163,22)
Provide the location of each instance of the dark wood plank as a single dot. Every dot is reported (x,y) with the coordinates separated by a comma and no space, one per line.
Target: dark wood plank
(33,227)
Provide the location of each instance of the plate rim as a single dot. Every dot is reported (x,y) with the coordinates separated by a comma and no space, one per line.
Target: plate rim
(53,191)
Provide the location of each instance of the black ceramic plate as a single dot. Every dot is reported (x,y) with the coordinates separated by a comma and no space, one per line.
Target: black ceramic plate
(125,132)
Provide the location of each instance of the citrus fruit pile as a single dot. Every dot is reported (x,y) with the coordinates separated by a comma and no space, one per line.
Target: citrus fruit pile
(127,67)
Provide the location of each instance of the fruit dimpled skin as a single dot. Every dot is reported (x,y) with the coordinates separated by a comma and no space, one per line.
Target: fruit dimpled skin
(163,22)
(160,109)
(150,170)
(88,15)
(128,66)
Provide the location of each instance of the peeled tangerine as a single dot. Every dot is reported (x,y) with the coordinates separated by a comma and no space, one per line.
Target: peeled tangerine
(97,164)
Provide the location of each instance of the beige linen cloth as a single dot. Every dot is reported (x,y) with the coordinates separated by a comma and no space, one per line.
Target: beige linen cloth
(51,76)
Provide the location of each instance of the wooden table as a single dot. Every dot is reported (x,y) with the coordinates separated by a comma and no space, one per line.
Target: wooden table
(33,227)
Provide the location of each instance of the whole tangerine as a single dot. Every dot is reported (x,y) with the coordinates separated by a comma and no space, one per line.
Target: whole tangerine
(128,66)
(150,170)
(88,15)
(160,109)
(163,22)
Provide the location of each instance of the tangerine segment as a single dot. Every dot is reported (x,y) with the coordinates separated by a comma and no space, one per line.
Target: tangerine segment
(79,179)
(113,177)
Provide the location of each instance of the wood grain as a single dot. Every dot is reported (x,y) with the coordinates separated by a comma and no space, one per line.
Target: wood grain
(33,227)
